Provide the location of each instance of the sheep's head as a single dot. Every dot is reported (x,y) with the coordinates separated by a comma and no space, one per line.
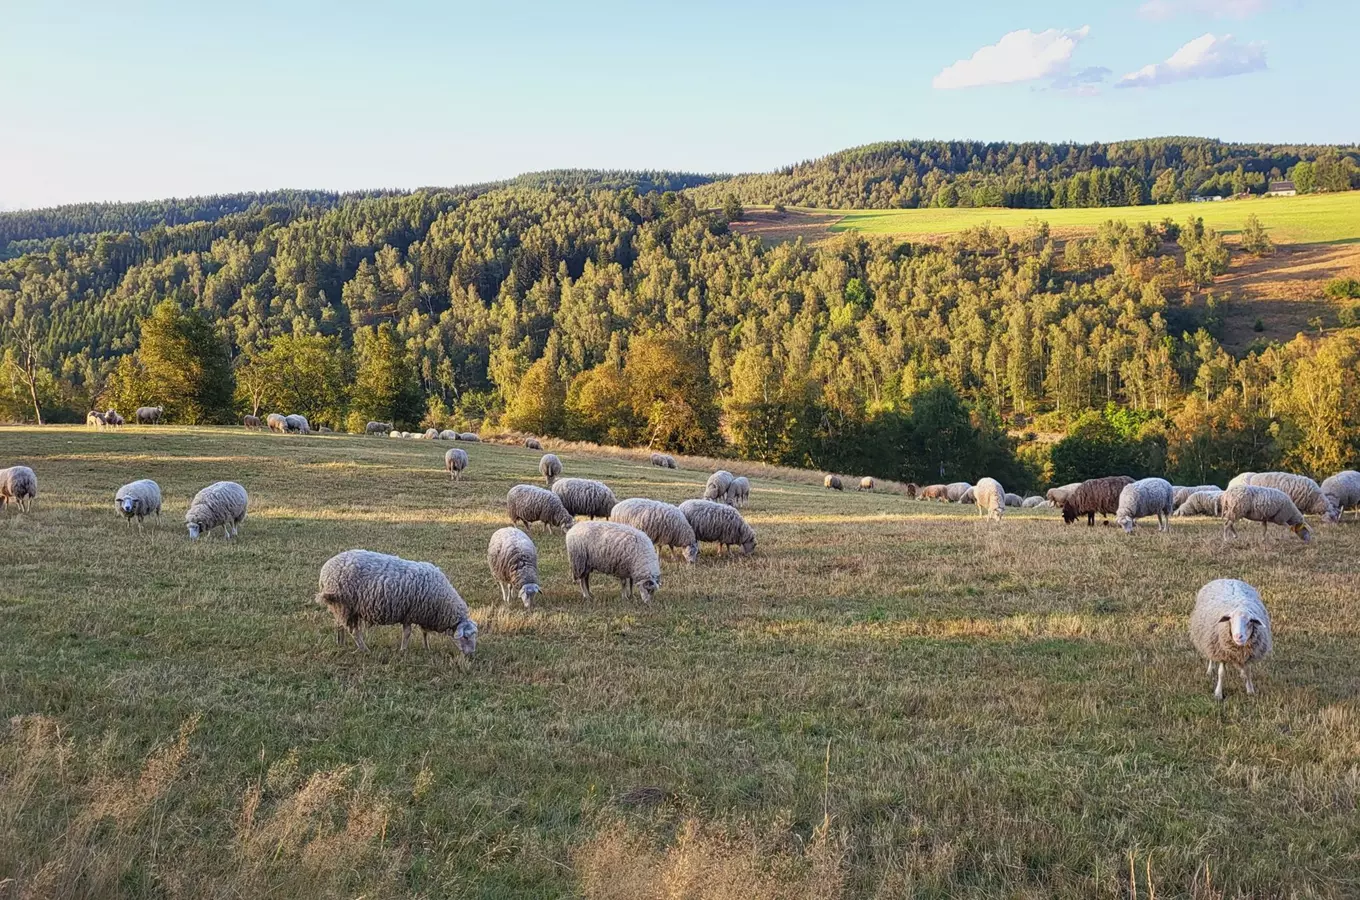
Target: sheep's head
(1302,530)
(195,530)
(128,505)
(1125,522)
(465,636)
(748,546)
(692,553)
(1069,512)
(527,593)
(1241,627)
(566,522)
(1333,513)
(648,587)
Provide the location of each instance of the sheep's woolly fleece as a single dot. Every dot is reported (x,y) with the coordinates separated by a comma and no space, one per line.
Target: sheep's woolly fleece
(361,587)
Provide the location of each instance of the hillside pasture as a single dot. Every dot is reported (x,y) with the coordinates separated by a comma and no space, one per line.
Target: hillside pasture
(889,699)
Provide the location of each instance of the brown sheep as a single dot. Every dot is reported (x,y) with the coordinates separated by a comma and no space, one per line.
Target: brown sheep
(937,492)
(1096,495)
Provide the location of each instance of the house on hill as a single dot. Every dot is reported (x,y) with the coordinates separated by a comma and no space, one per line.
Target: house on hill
(1281,189)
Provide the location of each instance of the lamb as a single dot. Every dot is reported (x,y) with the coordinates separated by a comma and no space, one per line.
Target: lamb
(614,549)
(1015,501)
(550,467)
(1033,502)
(719,523)
(221,503)
(833,483)
(1229,624)
(149,415)
(361,587)
(954,492)
(739,492)
(18,485)
(447,435)
(532,444)
(717,486)
(866,484)
(138,498)
(377,428)
(934,492)
(513,560)
(585,497)
(111,417)
(990,498)
(1304,491)
(1145,497)
(527,503)
(455,461)
(1202,503)
(664,523)
(277,423)
(1343,490)
(1264,505)
(1180,494)
(1095,495)
(95,419)
(251,421)
(470,437)
(1058,495)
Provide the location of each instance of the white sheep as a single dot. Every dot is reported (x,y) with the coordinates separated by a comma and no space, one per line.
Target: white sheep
(1058,495)
(990,498)
(1034,502)
(532,444)
(1146,497)
(832,483)
(717,486)
(659,460)
(513,560)
(585,497)
(528,503)
(296,424)
(221,503)
(550,467)
(866,484)
(719,523)
(361,587)
(276,422)
(739,491)
(431,434)
(1305,492)
(1015,501)
(1179,494)
(95,419)
(614,549)
(149,415)
(663,522)
(470,437)
(138,498)
(1343,490)
(448,435)
(1229,624)
(18,485)
(1261,504)
(377,428)
(455,461)
(955,491)
(969,497)
(1202,503)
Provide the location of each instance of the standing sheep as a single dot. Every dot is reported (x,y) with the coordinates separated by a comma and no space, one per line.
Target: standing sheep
(833,483)
(1015,501)
(276,422)
(717,486)
(1096,495)
(447,435)
(990,498)
(550,467)
(455,461)
(1058,495)
(95,419)
(937,492)
(1343,490)
(296,424)
(739,492)
(614,549)
(431,434)
(251,421)
(532,444)
(1202,503)
(112,418)
(377,428)
(221,503)
(955,492)
(1304,491)
(149,415)
(138,498)
(513,560)
(18,485)
(361,587)
(1264,505)
(659,460)
(664,523)
(720,524)
(1145,497)
(969,496)
(585,497)
(865,484)
(527,503)
(1229,624)
(1180,494)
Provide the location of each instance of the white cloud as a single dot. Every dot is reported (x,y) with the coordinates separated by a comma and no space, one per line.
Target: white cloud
(1083,82)
(1206,56)
(1226,9)
(1019,56)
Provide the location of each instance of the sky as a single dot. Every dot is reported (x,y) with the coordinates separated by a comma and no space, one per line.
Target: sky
(141,100)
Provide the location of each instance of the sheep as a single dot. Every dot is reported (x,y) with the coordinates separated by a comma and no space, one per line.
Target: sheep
(912,489)
(1202,503)
(532,444)
(447,435)
(394,434)
(296,424)
(1180,494)
(1343,490)
(585,497)
(670,462)
(1015,501)
(717,486)
(1229,624)
(527,503)
(361,587)
(1033,502)
(138,498)
(739,491)
(550,467)
(664,523)
(614,549)
(431,434)
(865,484)
(659,460)
(1264,505)
(990,498)
(377,428)
(720,524)
(1058,495)
(833,483)
(221,503)
(250,421)
(149,415)
(1241,478)
(938,492)
(455,461)
(1095,495)
(324,430)
(95,419)
(513,560)
(969,497)
(111,417)
(954,492)
(277,423)
(18,485)
(470,437)
(1145,497)
(1304,491)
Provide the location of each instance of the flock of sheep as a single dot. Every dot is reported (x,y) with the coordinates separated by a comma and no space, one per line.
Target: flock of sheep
(109,418)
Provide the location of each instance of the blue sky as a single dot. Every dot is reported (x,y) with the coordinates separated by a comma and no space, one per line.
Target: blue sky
(139,100)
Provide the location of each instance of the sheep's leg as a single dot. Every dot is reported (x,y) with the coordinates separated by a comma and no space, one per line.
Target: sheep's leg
(405,636)
(584,582)
(425,638)
(1211,668)
(339,635)
(1218,690)
(358,633)
(1246,677)
(626,589)
(1265,526)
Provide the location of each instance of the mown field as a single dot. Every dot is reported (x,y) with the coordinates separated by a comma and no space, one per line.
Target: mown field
(889,699)
(1306,219)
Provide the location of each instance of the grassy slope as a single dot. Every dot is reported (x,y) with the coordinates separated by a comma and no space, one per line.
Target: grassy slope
(1009,709)
(1316,218)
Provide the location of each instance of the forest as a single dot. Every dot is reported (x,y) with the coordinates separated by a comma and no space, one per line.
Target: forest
(596,313)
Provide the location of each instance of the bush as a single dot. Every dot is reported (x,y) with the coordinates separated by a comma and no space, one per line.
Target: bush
(1344,289)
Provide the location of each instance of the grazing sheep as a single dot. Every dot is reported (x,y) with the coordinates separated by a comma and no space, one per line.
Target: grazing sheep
(296,424)
(659,460)
(1304,491)
(532,444)
(1058,495)
(671,463)
(938,492)
(1145,497)
(718,485)
(1241,478)
(361,587)
(251,421)
(865,484)
(394,434)
(990,498)
(585,497)
(969,496)
(377,428)
(739,491)
(1229,624)
(138,498)
(1202,503)
(527,503)
(955,492)
(276,422)
(720,524)
(470,437)
(513,560)
(149,415)
(1180,494)
(1096,495)
(1343,490)
(550,467)
(1015,501)
(447,435)
(95,419)
(455,461)
(1264,505)
(221,503)
(833,483)
(1033,502)
(664,523)
(18,485)
(431,434)
(614,549)
(111,417)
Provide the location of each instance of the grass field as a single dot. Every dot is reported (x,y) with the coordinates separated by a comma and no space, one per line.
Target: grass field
(889,699)
(1309,219)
